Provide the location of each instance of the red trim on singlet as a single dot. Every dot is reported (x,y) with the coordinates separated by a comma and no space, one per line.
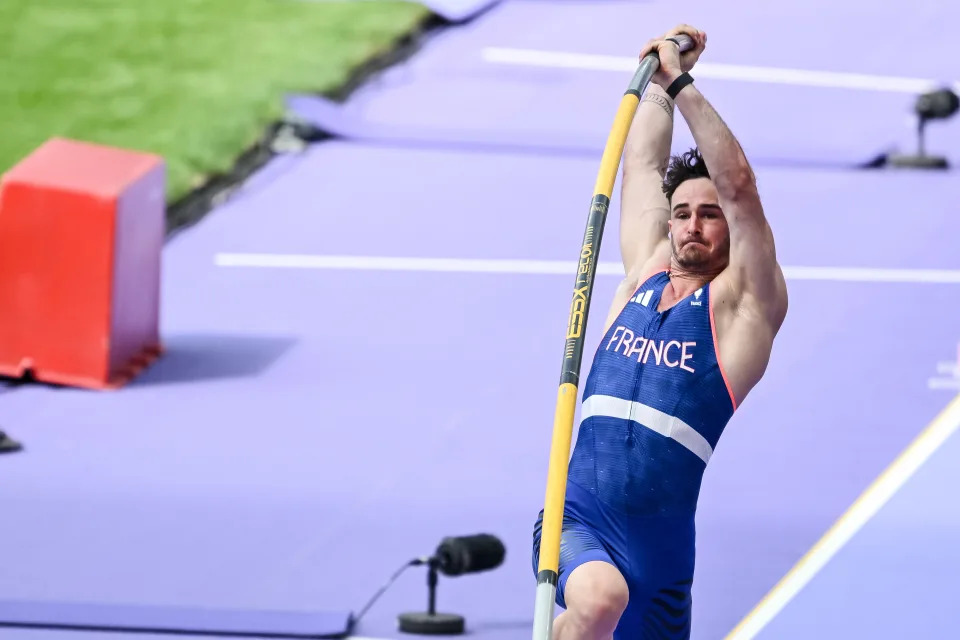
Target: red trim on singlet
(716,353)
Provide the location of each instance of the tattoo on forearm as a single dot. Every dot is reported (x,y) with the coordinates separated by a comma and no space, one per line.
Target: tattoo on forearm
(664,103)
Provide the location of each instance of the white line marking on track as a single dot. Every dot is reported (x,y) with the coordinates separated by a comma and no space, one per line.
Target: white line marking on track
(390,263)
(865,507)
(937,384)
(551,267)
(871,274)
(743,73)
(949,369)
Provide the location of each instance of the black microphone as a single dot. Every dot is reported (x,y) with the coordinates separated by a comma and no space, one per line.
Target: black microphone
(937,104)
(466,554)
(453,557)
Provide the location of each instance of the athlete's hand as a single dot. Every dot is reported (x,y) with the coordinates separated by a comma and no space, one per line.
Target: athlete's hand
(672,62)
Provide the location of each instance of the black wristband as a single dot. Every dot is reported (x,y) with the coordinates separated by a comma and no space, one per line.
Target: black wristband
(677,85)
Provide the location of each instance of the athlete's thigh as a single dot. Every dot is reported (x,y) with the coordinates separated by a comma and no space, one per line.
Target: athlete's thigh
(596,588)
(580,544)
(660,582)
(664,614)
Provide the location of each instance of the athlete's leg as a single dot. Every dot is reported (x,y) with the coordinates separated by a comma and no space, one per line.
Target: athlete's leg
(659,570)
(596,596)
(591,588)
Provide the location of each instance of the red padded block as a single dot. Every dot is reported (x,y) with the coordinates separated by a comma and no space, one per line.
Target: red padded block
(81,233)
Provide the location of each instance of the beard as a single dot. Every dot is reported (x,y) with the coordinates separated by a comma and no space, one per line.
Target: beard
(696,258)
(691,255)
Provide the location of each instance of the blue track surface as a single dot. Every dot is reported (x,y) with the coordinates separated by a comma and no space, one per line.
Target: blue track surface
(312,428)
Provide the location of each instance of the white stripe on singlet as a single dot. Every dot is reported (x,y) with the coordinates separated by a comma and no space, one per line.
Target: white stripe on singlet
(653,419)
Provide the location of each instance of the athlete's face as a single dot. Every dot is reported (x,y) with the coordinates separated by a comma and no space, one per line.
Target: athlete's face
(698,228)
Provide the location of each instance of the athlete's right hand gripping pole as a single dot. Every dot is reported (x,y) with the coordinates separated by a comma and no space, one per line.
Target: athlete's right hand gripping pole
(573,350)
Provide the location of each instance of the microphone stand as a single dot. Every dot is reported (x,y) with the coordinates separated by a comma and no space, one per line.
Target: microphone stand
(935,105)
(431,622)
(919,160)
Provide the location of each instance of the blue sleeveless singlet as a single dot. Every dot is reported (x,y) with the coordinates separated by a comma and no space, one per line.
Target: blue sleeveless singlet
(654,405)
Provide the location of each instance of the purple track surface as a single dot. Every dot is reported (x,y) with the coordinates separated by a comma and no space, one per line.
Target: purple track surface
(455,11)
(310,430)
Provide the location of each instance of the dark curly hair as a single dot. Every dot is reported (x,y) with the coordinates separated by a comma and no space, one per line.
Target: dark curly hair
(683,167)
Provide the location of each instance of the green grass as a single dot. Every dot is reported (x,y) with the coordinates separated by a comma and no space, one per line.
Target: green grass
(193,80)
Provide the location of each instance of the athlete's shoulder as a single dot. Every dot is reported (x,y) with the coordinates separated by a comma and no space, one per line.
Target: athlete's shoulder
(745,328)
(647,273)
(728,294)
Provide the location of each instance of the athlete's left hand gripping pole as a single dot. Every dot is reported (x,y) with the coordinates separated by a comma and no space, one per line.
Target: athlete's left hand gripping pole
(573,351)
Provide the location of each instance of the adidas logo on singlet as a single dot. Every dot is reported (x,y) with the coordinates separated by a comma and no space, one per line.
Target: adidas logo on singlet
(643,297)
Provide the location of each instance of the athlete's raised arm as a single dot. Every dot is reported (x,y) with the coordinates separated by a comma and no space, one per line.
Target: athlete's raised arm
(644,210)
(753,268)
